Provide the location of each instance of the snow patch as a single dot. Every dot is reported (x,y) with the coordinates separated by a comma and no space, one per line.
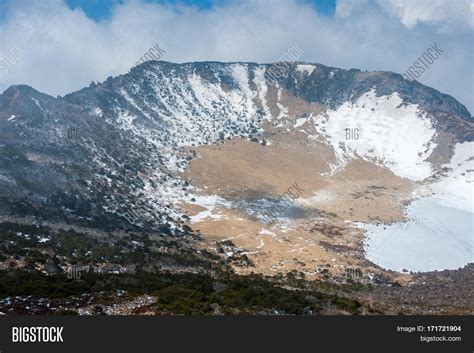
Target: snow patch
(457,188)
(390,133)
(299,122)
(306,68)
(209,202)
(261,83)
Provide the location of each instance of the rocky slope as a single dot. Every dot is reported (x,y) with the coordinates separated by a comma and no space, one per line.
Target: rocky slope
(111,154)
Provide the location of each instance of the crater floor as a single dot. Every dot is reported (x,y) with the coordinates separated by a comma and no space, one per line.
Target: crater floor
(310,232)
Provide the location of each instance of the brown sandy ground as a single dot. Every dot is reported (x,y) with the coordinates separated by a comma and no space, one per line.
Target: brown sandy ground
(326,238)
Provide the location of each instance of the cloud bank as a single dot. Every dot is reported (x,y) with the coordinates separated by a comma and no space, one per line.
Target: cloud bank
(62,50)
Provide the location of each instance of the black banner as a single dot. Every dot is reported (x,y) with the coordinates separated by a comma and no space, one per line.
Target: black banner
(246,334)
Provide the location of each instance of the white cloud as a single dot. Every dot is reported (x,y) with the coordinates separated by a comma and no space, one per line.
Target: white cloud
(345,7)
(64,52)
(447,14)
(444,15)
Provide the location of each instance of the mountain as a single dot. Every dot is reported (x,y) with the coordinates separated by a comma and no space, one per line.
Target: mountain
(250,178)
(110,155)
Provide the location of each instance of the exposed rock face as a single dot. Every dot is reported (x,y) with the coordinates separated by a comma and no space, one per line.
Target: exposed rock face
(111,154)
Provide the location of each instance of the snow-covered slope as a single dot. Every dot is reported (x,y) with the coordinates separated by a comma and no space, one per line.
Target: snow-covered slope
(383,130)
(456,188)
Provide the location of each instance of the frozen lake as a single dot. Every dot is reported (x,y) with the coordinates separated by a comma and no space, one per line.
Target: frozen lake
(435,237)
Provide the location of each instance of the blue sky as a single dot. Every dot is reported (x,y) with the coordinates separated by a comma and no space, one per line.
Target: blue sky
(66,44)
(102,9)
